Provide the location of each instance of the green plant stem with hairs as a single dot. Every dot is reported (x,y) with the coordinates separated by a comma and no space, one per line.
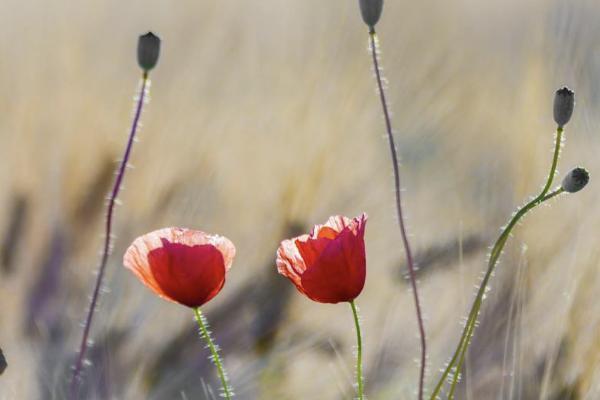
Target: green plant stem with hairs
(458,358)
(359,374)
(203,325)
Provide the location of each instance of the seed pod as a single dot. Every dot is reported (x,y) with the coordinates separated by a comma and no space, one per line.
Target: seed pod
(575,180)
(564,102)
(148,51)
(371,11)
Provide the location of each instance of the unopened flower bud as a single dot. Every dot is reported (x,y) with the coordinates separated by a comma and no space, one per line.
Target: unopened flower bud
(564,102)
(371,11)
(575,180)
(148,51)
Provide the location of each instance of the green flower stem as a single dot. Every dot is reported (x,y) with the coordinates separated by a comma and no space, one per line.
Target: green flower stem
(203,325)
(359,374)
(553,194)
(461,361)
(471,323)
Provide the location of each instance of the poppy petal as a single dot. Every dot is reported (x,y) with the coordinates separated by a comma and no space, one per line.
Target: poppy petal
(192,275)
(181,265)
(329,264)
(340,272)
(290,263)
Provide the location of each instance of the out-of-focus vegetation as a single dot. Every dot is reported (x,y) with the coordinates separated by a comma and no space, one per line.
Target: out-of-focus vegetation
(264,121)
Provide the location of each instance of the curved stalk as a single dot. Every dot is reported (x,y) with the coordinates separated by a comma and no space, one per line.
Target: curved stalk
(471,323)
(108,238)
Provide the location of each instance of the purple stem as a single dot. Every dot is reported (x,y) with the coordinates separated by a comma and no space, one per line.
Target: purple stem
(409,257)
(107,240)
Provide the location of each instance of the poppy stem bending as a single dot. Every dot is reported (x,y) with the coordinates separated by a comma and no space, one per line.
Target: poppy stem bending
(143,93)
(407,250)
(457,360)
(359,373)
(214,350)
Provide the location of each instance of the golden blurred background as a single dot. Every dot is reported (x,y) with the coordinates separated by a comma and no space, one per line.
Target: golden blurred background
(263,122)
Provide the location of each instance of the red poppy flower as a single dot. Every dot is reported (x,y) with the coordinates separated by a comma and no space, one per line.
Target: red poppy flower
(329,265)
(181,265)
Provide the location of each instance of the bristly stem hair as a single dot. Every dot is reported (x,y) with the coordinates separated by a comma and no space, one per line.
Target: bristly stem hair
(454,367)
(359,374)
(214,351)
(401,223)
(143,93)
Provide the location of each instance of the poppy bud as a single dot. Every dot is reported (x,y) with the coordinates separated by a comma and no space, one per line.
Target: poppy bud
(575,180)
(371,11)
(148,51)
(564,102)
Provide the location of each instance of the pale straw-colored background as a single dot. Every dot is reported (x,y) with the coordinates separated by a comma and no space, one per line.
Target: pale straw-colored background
(264,115)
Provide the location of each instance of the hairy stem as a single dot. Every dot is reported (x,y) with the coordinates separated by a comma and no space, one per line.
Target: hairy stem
(457,359)
(401,223)
(359,373)
(203,325)
(107,239)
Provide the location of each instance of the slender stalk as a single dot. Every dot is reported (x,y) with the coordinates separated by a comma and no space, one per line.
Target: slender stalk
(455,378)
(553,194)
(203,325)
(359,374)
(471,323)
(401,223)
(107,239)
(474,323)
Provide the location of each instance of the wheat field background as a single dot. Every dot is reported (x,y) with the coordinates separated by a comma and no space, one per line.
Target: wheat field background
(264,121)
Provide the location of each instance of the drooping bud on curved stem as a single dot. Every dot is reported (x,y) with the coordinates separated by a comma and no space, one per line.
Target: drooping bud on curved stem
(371,11)
(148,51)
(575,180)
(564,103)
